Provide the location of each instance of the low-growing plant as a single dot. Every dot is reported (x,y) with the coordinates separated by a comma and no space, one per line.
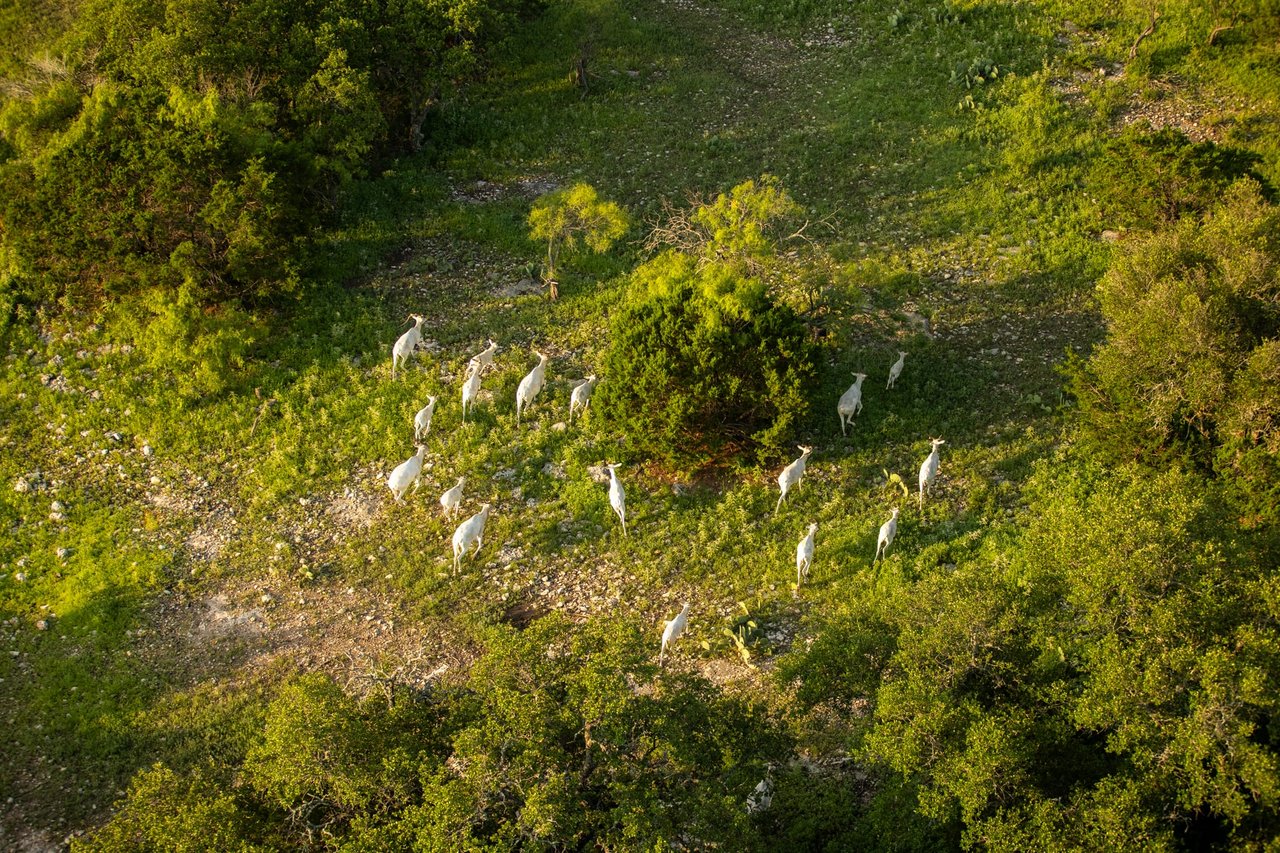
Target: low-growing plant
(198,349)
(163,812)
(975,72)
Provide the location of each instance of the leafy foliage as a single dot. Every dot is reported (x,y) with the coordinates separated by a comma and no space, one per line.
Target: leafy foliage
(565,747)
(174,814)
(556,739)
(702,363)
(199,349)
(1063,692)
(737,229)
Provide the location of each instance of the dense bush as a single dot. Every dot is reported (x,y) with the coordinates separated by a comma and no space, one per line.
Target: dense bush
(196,350)
(200,141)
(703,362)
(561,737)
(1104,679)
(1190,367)
(1147,179)
(164,812)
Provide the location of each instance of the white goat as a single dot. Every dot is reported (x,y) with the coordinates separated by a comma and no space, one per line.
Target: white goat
(470,390)
(406,474)
(929,468)
(468,533)
(762,797)
(484,359)
(452,499)
(850,402)
(581,396)
(407,344)
(531,385)
(422,420)
(617,498)
(804,555)
(888,530)
(896,369)
(675,628)
(791,475)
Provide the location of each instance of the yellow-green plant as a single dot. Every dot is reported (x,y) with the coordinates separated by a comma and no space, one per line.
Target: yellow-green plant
(574,216)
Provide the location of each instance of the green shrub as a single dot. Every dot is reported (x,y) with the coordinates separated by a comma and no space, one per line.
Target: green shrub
(167,813)
(1189,367)
(1098,677)
(197,349)
(575,740)
(1146,179)
(703,364)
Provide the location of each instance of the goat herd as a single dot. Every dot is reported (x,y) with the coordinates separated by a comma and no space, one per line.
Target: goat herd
(471,532)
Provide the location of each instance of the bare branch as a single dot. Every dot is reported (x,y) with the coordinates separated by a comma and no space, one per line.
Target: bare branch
(1151,28)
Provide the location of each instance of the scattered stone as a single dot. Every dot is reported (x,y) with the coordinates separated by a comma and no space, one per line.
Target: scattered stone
(20,577)
(559,426)
(57,506)
(1110,236)
(146,450)
(42,624)
(63,553)
(523,287)
(21,486)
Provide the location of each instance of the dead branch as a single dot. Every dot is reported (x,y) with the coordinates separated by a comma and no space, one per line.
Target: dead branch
(1219,12)
(580,73)
(827,222)
(1151,28)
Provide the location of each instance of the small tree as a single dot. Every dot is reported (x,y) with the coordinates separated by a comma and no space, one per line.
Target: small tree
(569,217)
(740,228)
